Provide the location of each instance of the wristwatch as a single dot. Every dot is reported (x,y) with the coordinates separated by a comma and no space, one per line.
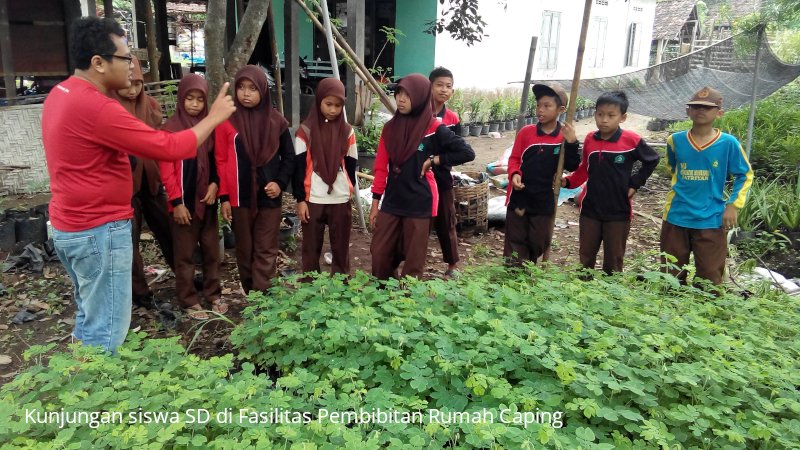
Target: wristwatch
(431,158)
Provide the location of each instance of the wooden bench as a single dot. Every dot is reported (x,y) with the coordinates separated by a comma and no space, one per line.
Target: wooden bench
(319,69)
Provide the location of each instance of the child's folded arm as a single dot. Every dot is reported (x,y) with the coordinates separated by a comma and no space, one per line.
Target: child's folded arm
(572,156)
(454,149)
(168,171)
(649,159)
(515,159)
(581,174)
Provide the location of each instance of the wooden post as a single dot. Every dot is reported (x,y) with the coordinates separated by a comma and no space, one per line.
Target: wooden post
(523,106)
(326,17)
(108,8)
(162,40)
(355,37)
(344,48)
(573,95)
(751,117)
(276,57)
(290,48)
(8,58)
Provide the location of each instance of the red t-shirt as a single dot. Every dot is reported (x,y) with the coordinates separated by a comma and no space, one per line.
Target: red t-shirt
(87,137)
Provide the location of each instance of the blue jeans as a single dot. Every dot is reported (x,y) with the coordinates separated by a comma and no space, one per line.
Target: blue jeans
(98,261)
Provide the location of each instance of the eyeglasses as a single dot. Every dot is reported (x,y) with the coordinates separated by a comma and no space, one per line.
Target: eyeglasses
(128,59)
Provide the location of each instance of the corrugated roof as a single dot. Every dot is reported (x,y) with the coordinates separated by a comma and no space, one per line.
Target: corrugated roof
(670,17)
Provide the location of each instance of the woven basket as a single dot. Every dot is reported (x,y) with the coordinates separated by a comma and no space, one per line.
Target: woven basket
(472,206)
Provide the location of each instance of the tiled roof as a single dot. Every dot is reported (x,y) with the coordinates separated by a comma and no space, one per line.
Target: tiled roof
(670,17)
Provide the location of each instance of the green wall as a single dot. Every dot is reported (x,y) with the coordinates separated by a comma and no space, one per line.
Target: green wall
(416,50)
(305,33)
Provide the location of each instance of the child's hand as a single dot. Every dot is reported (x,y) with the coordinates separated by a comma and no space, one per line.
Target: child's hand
(302,212)
(225,209)
(516,182)
(631,192)
(563,182)
(373,215)
(568,131)
(426,166)
(272,190)
(211,194)
(729,217)
(181,215)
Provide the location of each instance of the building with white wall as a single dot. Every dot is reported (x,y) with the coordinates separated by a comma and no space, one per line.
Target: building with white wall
(618,41)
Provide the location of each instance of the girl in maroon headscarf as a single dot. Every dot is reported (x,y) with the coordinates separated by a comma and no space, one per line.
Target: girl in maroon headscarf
(255,160)
(325,172)
(149,201)
(192,191)
(411,142)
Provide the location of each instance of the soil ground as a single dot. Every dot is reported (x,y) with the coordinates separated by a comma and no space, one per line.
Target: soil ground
(49,295)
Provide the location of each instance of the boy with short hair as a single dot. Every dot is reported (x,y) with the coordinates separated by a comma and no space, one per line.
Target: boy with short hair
(531,168)
(606,166)
(696,215)
(445,221)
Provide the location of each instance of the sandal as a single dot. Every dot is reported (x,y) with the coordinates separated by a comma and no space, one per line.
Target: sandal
(219,306)
(196,312)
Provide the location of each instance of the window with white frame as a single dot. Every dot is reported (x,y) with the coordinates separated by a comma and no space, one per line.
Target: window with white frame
(548,45)
(596,42)
(633,42)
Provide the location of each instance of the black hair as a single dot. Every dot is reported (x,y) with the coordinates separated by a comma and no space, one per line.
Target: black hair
(556,98)
(613,98)
(440,72)
(90,36)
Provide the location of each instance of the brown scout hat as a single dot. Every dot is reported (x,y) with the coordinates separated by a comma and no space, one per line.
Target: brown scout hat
(550,88)
(706,96)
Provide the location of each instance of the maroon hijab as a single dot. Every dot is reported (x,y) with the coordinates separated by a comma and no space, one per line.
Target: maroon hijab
(403,134)
(181,120)
(328,140)
(144,107)
(260,127)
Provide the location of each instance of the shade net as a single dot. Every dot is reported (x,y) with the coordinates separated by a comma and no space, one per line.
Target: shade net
(661,91)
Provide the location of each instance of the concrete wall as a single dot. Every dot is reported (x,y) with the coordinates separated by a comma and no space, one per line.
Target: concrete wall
(21,145)
(416,51)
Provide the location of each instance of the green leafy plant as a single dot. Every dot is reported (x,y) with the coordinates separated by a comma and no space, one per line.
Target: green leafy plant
(476,109)
(496,110)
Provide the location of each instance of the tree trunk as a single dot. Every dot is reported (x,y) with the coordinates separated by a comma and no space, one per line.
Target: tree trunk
(215,45)
(245,42)
(152,50)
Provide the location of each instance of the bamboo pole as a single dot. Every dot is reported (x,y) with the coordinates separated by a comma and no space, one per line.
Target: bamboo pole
(344,48)
(573,95)
(751,117)
(276,59)
(326,17)
(523,106)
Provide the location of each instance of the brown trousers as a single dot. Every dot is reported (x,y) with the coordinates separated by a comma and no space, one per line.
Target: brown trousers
(710,248)
(339,219)
(527,237)
(398,239)
(445,226)
(613,235)
(256,246)
(185,238)
(153,209)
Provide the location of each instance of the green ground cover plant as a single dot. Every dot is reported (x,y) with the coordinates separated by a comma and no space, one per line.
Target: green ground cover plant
(630,362)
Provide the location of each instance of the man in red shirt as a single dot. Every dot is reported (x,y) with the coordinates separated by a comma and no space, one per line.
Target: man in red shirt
(87,138)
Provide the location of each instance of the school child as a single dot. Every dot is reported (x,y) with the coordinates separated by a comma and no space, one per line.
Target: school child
(325,172)
(696,214)
(606,167)
(445,221)
(411,142)
(149,200)
(255,160)
(192,186)
(531,168)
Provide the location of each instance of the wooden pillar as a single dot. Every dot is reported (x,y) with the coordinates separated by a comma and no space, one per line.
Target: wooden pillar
(72,12)
(5,49)
(139,23)
(108,8)
(291,47)
(162,39)
(356,19)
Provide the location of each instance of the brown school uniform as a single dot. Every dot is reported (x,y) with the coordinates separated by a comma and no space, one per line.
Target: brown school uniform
(187,183)
(252,149)
(409,199)
(149,200)
(445,221)
(325,171)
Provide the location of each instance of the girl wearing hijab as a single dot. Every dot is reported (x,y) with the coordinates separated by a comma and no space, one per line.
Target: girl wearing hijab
(324,176)
(411,143)
(149,201)
(255,160)
(192,186)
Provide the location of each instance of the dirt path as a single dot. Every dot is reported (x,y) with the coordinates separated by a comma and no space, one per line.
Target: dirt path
(49,296)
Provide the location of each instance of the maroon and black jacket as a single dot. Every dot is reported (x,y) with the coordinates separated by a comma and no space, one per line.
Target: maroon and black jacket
(180,180)
(606,167)
(535,157)
(444,180)
(404,192)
